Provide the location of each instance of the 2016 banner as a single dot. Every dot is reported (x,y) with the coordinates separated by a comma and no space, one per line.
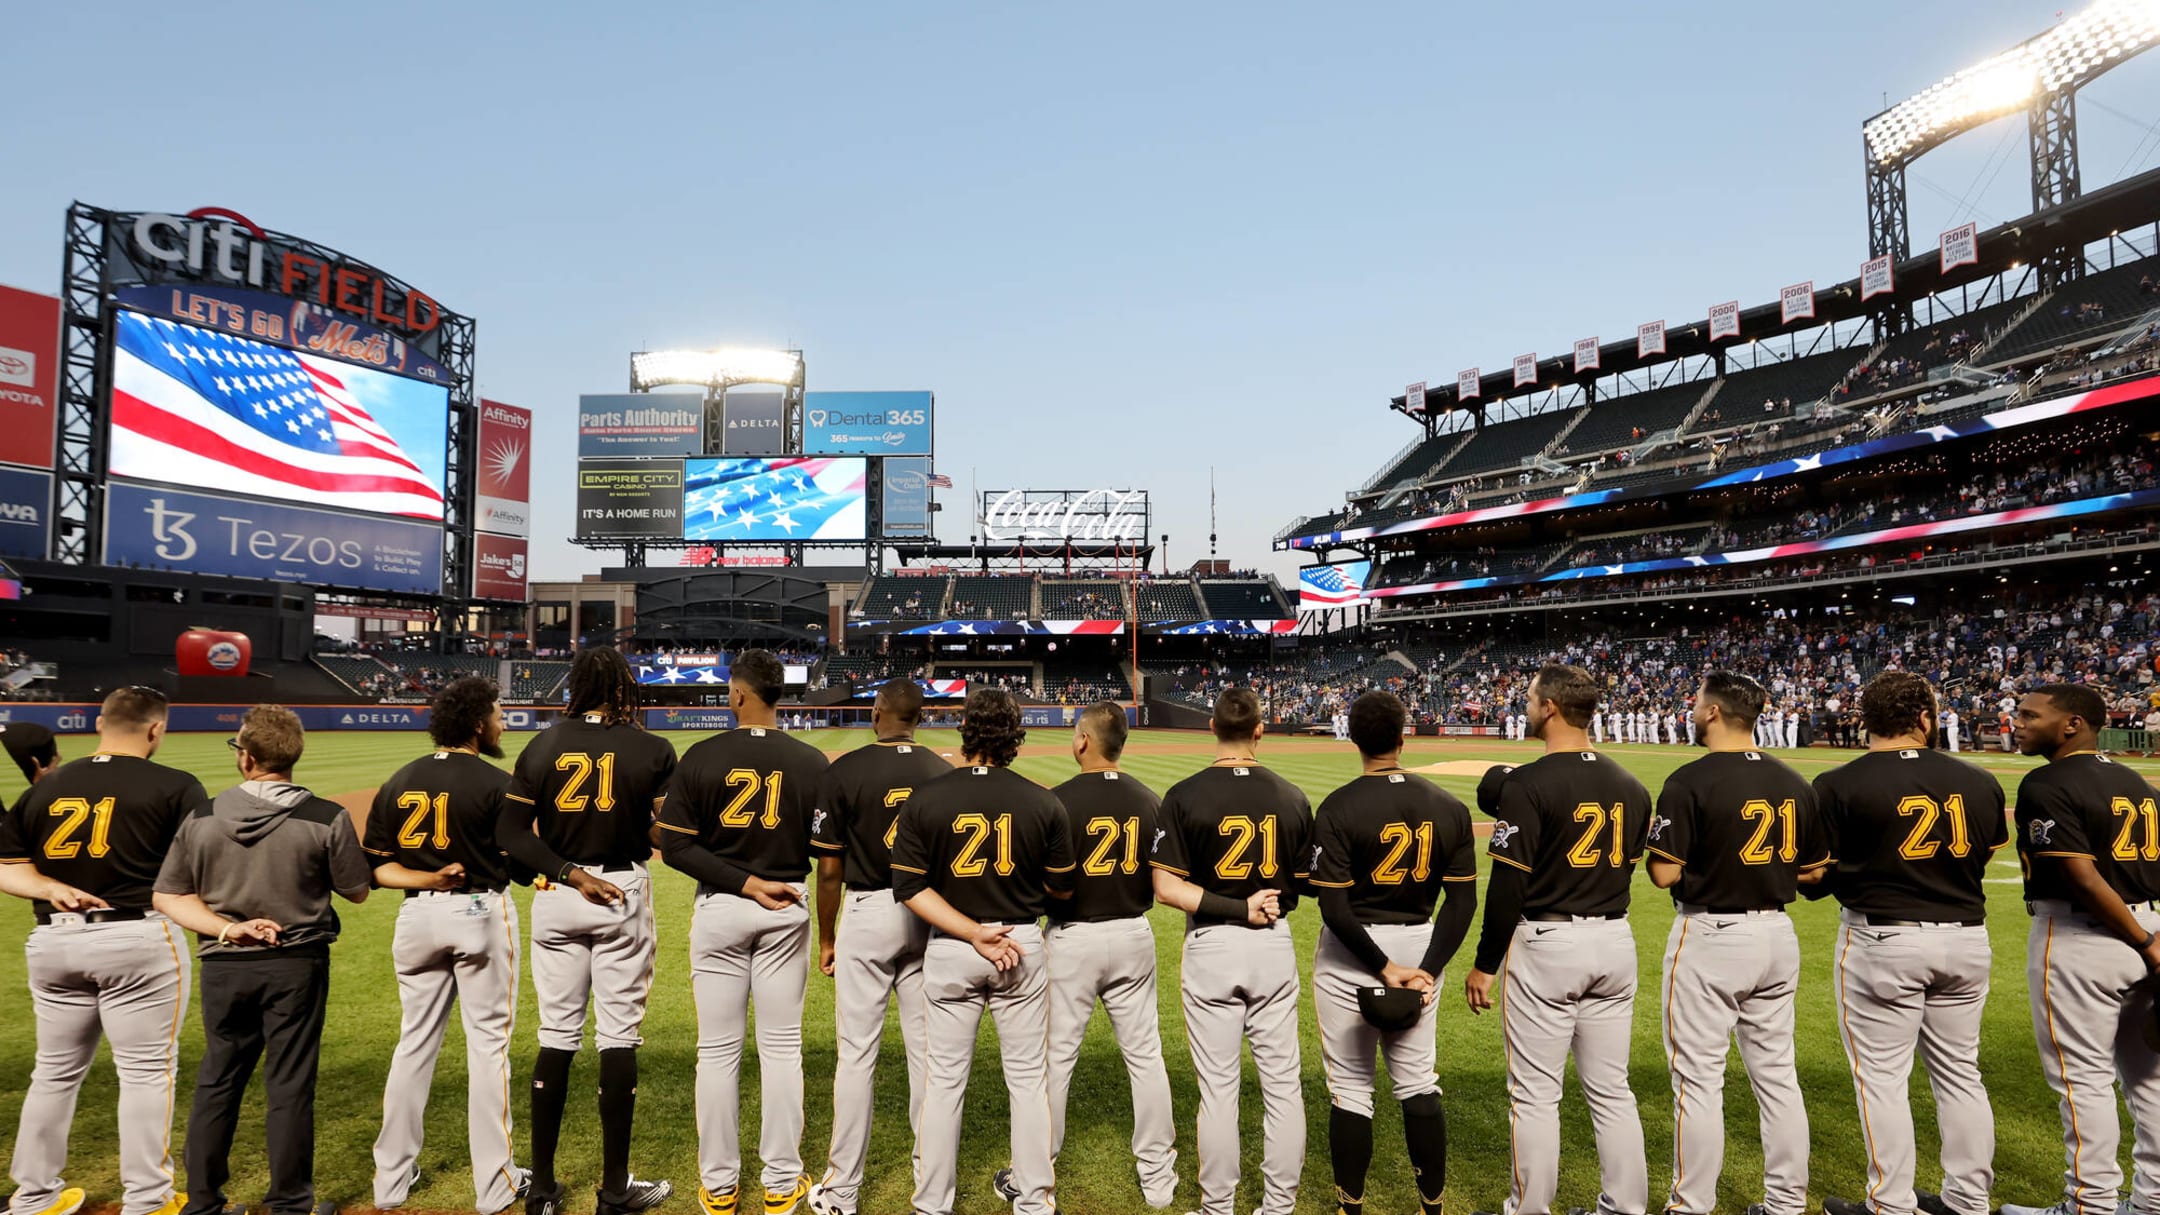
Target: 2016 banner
(505,505)
(1961,247)
(29,377)
(211,534)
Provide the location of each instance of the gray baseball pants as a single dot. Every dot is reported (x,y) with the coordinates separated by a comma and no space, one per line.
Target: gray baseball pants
(450,947)
(877,958)
(1899,989)
(1570,987)
(960,985)
(2090,1007)
(1347,1040)
(583,950)
(1727,977)
(1242,983)
(126,980)
(740,954)
(1113,962)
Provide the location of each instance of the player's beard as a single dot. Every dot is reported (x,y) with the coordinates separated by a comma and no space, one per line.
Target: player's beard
(492,747)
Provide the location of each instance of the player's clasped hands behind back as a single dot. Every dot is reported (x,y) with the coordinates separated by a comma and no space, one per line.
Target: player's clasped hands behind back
(957,892)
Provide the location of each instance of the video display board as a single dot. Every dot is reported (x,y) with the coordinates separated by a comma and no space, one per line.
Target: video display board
(774,499)
(907,496)
(218,412)
(1322,587)
(214,534)
(630,499)
(868,423)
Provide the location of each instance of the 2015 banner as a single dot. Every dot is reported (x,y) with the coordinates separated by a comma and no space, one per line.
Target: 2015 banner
(1876,277)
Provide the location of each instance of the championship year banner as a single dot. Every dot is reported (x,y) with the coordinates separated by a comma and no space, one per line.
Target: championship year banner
(29,377)
(630,500)
(210,534)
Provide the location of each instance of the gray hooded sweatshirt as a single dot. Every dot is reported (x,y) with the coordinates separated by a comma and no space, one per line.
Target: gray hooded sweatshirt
(268,850)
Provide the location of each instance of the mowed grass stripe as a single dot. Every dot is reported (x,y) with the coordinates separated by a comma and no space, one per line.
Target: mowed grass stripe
(1095,1172)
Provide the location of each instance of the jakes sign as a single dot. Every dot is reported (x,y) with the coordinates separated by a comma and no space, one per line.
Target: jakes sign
(216,246)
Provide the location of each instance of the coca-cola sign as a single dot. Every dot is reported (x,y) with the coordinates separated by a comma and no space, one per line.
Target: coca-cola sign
(1066,516)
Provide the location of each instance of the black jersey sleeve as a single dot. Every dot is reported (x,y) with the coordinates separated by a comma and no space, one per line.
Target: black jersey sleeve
(1330,861)
(2050,824)
(14,839)
(1813,839)
(829,822)
(682,833)
(380,839)
(1168,850)
(1672,825)
(911,857)
(1058,859)
(1517,829)
(514,827)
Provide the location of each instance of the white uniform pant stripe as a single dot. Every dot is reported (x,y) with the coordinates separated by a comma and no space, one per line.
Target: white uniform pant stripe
(740,954)
(959,985)
(1113,962)
(2090,1008)
(1571,989)
(1730,977)
(1241,984)
(877,959)
(126,981)
(447,948)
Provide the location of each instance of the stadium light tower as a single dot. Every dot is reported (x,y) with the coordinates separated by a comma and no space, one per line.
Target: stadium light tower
(2040,76)
(716,371)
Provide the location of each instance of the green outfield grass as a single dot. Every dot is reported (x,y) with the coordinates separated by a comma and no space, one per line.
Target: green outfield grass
(1095,1173)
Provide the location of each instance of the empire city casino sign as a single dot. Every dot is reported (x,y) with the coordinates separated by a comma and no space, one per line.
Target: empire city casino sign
(221,248)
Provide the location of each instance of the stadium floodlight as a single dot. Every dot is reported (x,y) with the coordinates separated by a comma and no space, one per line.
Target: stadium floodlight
(2079,48)
(715,368)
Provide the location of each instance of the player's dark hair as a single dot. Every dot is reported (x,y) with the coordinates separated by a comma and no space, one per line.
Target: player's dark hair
(2077,700)
(1569,687)
(990,727)
(901,700)
(1104,721)
(601,682)
(1376,724)
(760,674)
(1896,702)
(461,710)
(272,735)
(1736,696)
(1237,714)
(134,708)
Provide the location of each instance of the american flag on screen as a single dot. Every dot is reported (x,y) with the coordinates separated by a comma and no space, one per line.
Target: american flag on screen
(773,499)
(197,407)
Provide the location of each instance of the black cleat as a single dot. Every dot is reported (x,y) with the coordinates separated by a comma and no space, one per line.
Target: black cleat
(1932,1204)
(1839,1206)
(548,1201)
(637,1196)
(1006,1187)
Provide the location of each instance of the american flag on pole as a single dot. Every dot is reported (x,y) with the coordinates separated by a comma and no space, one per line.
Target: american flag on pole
(940,481)
(196,407)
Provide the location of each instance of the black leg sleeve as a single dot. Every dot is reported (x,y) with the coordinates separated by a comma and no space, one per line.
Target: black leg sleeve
(618,1104)
(1425,1133)
(1350,1150)
(550,1088)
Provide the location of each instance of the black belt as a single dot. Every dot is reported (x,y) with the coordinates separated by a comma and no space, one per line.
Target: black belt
(1877,921)
(414,894)
(1561,917)
(102,915)
(629,868)
(1696,909)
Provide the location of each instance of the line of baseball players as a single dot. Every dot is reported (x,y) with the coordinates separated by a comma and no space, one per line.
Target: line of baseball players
(945,874)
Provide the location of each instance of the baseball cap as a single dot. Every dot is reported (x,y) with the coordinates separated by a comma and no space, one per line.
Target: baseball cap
(30,745)
(1389,1009)
(1488,788)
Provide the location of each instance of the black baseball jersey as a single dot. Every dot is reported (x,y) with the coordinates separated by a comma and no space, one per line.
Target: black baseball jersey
(1742,826)
(2090,806)
(1391,839)
(441,810)
(858,807)
(1576,823)
(748,795)
(991,841)
(1913,832)
(1236,830)
(592,788)
(101,824)
(1112,818)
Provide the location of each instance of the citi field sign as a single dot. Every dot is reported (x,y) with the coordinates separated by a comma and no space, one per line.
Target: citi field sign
(1066,516)
(220,247)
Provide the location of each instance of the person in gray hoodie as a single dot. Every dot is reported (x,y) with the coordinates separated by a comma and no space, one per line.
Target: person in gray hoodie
(252,875)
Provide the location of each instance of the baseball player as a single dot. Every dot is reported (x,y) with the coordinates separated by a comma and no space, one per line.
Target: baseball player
(1913,832)
(431,833)
(1950,729)
(84,843)
(1232,845)
(1387,845)
(1567,833)
(1597,727)
(978,854)
(1736,833)
(2089,834)
(1687,720)
(873,953)
(579,812)
(1102,949)
(737,818)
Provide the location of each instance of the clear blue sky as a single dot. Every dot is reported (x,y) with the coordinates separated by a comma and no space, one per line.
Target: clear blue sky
(1121,242)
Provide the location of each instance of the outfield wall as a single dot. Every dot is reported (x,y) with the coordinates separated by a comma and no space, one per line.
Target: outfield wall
(224,719)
